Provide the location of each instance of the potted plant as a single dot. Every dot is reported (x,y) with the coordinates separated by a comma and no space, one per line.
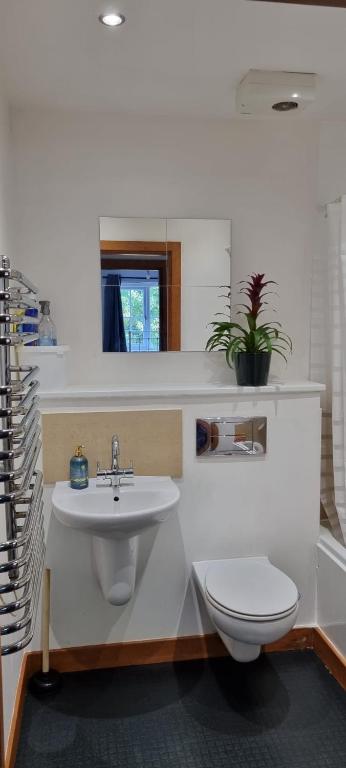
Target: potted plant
(249,348)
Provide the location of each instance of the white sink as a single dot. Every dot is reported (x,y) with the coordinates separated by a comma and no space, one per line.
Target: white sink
(116,524)
(141,504)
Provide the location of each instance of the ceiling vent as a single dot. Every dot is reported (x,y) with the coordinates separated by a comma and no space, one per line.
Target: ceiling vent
(263,92)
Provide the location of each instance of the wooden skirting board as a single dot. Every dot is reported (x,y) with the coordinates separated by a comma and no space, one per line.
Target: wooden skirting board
(13,738)
(330,656)
(152,652)
(88,657)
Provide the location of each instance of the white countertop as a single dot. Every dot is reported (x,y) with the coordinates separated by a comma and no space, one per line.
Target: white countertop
(88,393)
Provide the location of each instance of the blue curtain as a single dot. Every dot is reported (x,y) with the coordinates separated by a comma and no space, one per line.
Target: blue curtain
(114,339)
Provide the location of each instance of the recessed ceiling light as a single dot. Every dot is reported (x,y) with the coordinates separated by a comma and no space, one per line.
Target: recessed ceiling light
(295,95)
(285,106)
(112,19)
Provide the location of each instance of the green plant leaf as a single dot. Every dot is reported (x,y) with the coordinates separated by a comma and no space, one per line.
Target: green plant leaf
(280,353)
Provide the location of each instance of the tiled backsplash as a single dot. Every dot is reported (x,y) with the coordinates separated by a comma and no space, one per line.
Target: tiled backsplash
(151,439)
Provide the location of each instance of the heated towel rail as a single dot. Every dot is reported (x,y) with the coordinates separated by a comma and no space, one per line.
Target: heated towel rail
(22,546)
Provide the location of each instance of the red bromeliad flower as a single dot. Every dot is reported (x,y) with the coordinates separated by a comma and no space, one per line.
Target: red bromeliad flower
(254,289)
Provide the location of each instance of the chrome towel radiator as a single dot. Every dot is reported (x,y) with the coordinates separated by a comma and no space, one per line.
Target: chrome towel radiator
(22,546)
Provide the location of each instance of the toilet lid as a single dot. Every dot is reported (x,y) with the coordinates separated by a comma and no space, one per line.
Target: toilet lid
(251,587)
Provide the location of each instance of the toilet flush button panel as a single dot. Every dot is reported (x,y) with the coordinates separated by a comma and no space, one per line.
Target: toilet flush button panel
(230,436)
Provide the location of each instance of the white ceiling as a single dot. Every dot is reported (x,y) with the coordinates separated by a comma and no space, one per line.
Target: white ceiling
(171,57)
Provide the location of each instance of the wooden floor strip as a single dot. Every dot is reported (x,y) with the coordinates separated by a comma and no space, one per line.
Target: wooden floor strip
(83,658)
(2,733)
(87,657)
(330,656)
(298,639)
(16,721)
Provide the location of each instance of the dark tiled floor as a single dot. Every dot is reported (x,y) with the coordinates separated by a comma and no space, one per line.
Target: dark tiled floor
(281,711)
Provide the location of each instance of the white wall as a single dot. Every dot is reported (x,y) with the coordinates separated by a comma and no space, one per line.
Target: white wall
(5,174)
(229,507)
(73,167)
(331,161)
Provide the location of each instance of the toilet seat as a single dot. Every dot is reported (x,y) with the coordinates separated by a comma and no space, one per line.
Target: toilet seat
(248,617)
(251,589)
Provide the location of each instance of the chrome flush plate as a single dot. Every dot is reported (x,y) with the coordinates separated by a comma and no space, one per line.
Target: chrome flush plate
(230,436)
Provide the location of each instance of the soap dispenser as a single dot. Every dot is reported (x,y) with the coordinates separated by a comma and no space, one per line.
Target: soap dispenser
(79,478)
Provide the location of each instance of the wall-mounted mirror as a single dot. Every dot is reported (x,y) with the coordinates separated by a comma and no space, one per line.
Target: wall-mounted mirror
(162,282)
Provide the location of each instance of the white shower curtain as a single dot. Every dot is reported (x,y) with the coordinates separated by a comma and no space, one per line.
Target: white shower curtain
(328,360)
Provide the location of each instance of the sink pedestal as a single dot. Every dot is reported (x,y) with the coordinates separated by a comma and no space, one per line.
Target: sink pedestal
(115,526)
(115,563)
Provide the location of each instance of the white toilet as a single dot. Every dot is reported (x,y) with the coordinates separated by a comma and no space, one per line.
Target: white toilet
(249,601)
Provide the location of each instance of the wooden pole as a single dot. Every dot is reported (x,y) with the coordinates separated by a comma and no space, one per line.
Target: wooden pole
(47,680)
(45,619)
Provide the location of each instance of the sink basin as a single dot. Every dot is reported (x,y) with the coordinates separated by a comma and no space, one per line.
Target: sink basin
(115,518)
(141,504)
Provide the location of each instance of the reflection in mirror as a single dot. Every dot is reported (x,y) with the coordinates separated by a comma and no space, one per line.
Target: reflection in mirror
(161,282)
(229,435)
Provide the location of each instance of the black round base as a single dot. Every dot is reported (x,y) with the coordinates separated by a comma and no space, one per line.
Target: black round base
(43,683)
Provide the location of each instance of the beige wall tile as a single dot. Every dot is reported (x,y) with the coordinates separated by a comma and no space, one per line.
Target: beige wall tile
(151,439)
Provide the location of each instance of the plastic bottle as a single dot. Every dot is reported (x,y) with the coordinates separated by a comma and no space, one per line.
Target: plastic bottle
(28,327)
(46,328)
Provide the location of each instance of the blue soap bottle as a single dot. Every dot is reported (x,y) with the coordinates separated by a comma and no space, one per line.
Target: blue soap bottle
(79,472)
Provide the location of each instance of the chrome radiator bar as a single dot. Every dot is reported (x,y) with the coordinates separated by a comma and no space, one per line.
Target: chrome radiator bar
(22,548)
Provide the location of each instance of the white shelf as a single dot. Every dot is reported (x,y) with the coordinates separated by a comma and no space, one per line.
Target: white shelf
(52,362)
(79,395)
(58,349)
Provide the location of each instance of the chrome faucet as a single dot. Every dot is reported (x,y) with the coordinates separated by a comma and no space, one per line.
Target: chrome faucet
(115,452)
(116,473)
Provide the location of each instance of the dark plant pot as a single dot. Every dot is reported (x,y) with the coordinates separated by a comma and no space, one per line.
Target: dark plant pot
(252,368)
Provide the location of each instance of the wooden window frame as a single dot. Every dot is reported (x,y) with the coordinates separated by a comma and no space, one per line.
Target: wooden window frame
(170,280)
